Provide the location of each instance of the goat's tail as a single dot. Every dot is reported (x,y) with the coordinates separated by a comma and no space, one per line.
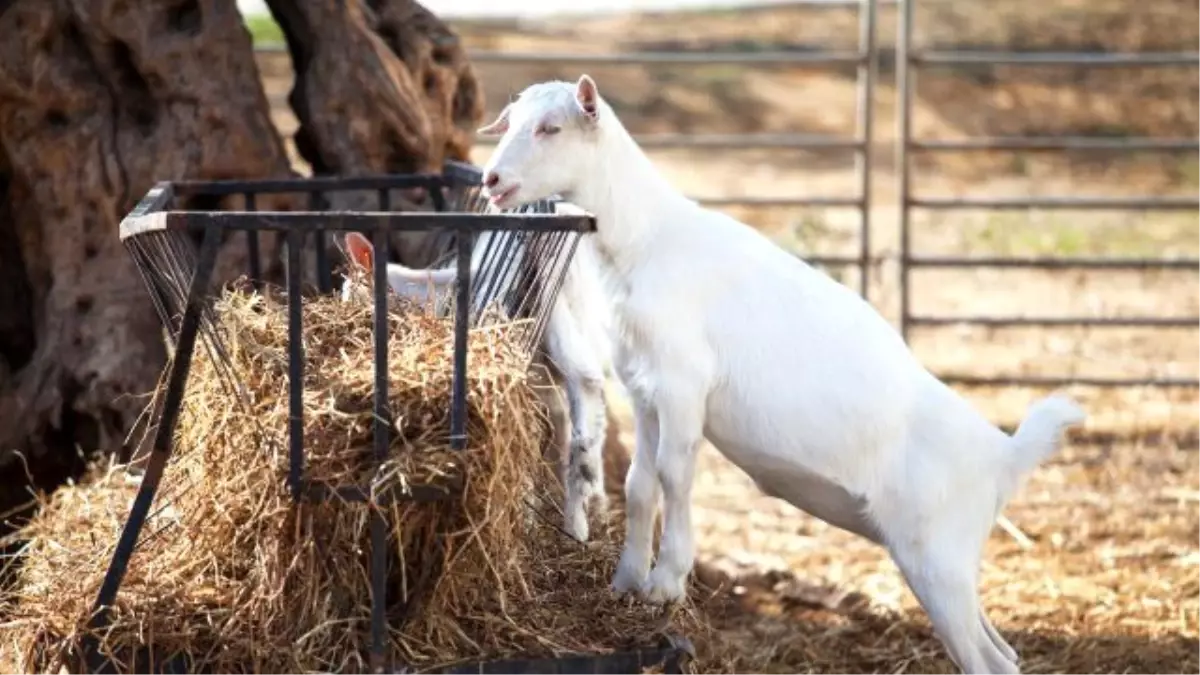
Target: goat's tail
(1040,434)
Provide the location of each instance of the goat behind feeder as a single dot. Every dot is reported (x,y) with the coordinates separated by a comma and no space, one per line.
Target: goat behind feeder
(574,343)
(720,334)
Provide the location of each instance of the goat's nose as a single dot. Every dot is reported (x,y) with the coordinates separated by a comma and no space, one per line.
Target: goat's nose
(491,179)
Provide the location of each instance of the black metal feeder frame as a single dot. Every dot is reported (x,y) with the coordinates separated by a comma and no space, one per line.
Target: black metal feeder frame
(521,267)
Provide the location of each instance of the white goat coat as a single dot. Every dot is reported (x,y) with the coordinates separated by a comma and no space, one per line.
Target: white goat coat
(795,378)
(582,296)
(813,394)
(575,341)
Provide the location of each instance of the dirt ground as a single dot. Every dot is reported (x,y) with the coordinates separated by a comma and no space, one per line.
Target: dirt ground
(1109,578)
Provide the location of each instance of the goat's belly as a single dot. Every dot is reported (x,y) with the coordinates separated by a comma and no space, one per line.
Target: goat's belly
(817,495)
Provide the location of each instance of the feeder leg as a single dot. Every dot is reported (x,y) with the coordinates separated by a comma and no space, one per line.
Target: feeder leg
(161,451)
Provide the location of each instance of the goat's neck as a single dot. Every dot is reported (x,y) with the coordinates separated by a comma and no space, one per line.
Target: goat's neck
(627,195)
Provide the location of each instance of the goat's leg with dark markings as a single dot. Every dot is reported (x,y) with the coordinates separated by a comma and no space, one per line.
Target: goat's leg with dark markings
(583,382)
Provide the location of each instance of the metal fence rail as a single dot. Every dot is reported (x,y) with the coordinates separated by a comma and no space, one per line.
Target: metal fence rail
(865,58)
(908,61)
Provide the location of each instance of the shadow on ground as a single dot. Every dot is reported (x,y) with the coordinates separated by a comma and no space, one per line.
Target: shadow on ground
(793,628)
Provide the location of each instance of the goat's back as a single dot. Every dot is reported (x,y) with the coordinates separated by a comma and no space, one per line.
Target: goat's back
(804,368)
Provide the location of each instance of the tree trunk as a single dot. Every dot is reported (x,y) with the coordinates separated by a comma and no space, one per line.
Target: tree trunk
(382,86)
(99,99)
(393,69)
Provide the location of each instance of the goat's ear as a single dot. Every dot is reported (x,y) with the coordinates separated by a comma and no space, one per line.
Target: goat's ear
(362,253)
(587,96)
(498,127)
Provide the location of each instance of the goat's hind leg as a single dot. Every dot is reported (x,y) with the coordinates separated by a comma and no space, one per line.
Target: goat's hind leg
(997,639)
(942,576)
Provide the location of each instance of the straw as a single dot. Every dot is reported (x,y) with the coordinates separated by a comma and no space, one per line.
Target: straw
(233,576)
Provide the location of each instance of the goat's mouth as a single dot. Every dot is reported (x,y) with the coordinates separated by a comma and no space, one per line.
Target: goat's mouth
(498,197)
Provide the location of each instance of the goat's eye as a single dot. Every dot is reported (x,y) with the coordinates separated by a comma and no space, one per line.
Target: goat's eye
(548,129)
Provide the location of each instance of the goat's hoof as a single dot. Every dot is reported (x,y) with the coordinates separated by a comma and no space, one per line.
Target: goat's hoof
(628,578)
(662,587)
(577,526)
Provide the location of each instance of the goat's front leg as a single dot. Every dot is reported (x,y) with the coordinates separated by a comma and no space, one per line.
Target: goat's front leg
(583,475)
(641,502)
(681,424)
(584,483)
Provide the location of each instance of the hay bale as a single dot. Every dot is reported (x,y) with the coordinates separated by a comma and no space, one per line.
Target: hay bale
(233,576)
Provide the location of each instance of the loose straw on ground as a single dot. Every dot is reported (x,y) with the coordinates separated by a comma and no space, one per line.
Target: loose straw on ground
(233,576)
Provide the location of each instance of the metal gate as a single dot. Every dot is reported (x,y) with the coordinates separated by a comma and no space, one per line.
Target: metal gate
(909,59)
(864,59)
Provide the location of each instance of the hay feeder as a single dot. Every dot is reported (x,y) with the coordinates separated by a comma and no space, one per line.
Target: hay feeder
(176,251)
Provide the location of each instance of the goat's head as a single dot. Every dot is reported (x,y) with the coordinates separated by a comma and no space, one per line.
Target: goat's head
(419,286)
(549,139)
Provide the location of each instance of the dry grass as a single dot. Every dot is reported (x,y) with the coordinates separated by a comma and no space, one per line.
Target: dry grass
(238,575)
(1111,583)
(236,578)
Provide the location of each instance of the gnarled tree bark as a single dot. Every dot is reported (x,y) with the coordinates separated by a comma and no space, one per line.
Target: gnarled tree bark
(99,99)
(381,86)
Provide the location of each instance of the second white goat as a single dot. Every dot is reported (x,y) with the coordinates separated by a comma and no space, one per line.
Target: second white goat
(721,334)
(575,343)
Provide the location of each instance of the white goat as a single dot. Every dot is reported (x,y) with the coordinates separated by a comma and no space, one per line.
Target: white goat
(574,342)
(720,334)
